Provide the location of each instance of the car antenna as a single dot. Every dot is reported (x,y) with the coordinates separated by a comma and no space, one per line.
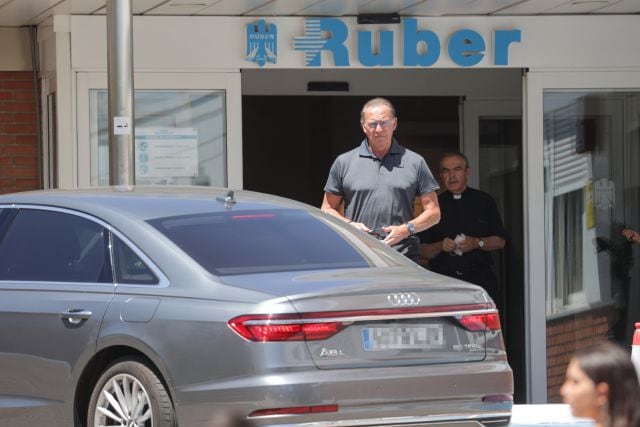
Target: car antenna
(228,200)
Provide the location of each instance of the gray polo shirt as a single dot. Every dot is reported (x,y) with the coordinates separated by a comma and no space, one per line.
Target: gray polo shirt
(380,192)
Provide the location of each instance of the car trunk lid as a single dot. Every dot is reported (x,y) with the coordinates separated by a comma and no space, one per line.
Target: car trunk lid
(385,317)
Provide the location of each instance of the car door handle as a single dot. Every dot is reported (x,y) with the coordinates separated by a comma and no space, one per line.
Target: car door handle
(75,316)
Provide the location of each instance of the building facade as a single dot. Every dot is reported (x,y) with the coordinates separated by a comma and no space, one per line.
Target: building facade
(19,147)
(547,108)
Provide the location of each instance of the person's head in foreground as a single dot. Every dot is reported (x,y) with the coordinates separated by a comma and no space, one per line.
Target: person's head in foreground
(601,383)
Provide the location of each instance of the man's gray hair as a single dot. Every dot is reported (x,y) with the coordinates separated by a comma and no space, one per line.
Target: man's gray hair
(375,102)
(448,154)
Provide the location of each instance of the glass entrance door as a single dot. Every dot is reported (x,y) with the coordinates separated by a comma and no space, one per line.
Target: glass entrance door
(584,145)
(591,187)
(493,143)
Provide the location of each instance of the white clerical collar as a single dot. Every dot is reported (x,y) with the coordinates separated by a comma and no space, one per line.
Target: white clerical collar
(457,196)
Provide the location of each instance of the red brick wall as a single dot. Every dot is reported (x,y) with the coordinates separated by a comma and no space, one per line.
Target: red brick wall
(19,155)
(568,334)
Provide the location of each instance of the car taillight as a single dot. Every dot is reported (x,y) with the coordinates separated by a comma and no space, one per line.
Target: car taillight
(269,328)
(296,410)
(480,322)
(322,325)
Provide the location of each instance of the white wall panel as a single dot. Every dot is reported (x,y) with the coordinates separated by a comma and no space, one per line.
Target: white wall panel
(282,7)
(15,51)
(335,8)
(180,7)
(533,6)
(232,7)
(579,7)
(481,84)
(457,7)
(624,6)
(196,43)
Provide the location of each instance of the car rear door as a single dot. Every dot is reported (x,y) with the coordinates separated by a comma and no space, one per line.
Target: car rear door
(55,285)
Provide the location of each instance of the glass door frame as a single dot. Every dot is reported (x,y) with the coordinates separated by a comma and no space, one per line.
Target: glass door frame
(229,82)
(48,124)
(535,84)
(473,110)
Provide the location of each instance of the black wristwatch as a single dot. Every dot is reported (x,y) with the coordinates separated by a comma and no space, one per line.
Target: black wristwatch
(411,228)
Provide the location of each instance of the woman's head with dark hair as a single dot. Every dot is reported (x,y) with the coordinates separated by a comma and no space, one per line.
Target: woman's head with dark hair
(601,383)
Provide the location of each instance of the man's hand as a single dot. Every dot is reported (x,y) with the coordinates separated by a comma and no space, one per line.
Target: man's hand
(361,226)
(448,245)
(631,235)
(469,244)
(395,234)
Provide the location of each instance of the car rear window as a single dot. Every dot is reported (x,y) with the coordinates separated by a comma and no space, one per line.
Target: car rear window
(251,242)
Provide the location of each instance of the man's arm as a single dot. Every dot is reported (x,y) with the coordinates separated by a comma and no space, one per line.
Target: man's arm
(432,250)
(331,205)
(470,243)
(491,243)
(494,240)
(429,217)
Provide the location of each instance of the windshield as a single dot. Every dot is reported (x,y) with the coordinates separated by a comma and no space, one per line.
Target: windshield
(244,242)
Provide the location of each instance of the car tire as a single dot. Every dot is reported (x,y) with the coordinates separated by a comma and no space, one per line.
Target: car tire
(129,393)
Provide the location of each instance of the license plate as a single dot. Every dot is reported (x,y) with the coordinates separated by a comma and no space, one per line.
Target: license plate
(403,337)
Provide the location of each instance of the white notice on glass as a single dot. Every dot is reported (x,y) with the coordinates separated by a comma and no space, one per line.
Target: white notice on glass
(166,152)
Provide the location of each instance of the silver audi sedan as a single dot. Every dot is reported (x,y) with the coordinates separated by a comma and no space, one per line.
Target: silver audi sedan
(165,306)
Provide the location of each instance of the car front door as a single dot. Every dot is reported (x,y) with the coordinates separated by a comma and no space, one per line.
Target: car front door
(55,285)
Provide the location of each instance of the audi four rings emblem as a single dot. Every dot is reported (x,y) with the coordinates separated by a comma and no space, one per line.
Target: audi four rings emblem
(403,299)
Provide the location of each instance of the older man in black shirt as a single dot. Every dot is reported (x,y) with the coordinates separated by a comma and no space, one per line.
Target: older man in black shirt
(470,227)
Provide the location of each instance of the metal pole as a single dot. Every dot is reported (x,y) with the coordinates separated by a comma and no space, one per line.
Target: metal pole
(120,63)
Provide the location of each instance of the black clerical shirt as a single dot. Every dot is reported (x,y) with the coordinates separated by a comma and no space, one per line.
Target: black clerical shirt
(472,213)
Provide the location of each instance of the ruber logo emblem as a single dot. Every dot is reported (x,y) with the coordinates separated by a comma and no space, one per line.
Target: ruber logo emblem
(403,299)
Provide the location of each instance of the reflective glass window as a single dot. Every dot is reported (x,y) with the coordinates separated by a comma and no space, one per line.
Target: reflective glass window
(592,182)
(52,246)
(180,137)
(244,242)
(130,268)
(3,214)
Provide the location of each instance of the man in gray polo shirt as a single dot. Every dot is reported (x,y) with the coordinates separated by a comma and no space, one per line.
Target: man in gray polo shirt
(378,182)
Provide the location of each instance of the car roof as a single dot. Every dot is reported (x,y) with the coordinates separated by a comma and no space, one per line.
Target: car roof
(148,202)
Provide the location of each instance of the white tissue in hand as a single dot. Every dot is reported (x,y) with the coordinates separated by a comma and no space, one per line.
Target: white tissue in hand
(459,238)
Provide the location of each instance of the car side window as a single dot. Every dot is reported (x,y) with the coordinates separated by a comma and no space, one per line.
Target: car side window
(4,213)
(130,268)
(51,246)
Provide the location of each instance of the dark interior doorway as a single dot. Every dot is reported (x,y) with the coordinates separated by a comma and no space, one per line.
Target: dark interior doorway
(500,148)
(290,142)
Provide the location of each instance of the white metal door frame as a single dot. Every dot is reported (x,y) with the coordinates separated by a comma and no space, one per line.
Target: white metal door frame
(535,84)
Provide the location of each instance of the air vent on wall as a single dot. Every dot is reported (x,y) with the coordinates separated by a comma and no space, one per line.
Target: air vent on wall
(328,86)
(378,18)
